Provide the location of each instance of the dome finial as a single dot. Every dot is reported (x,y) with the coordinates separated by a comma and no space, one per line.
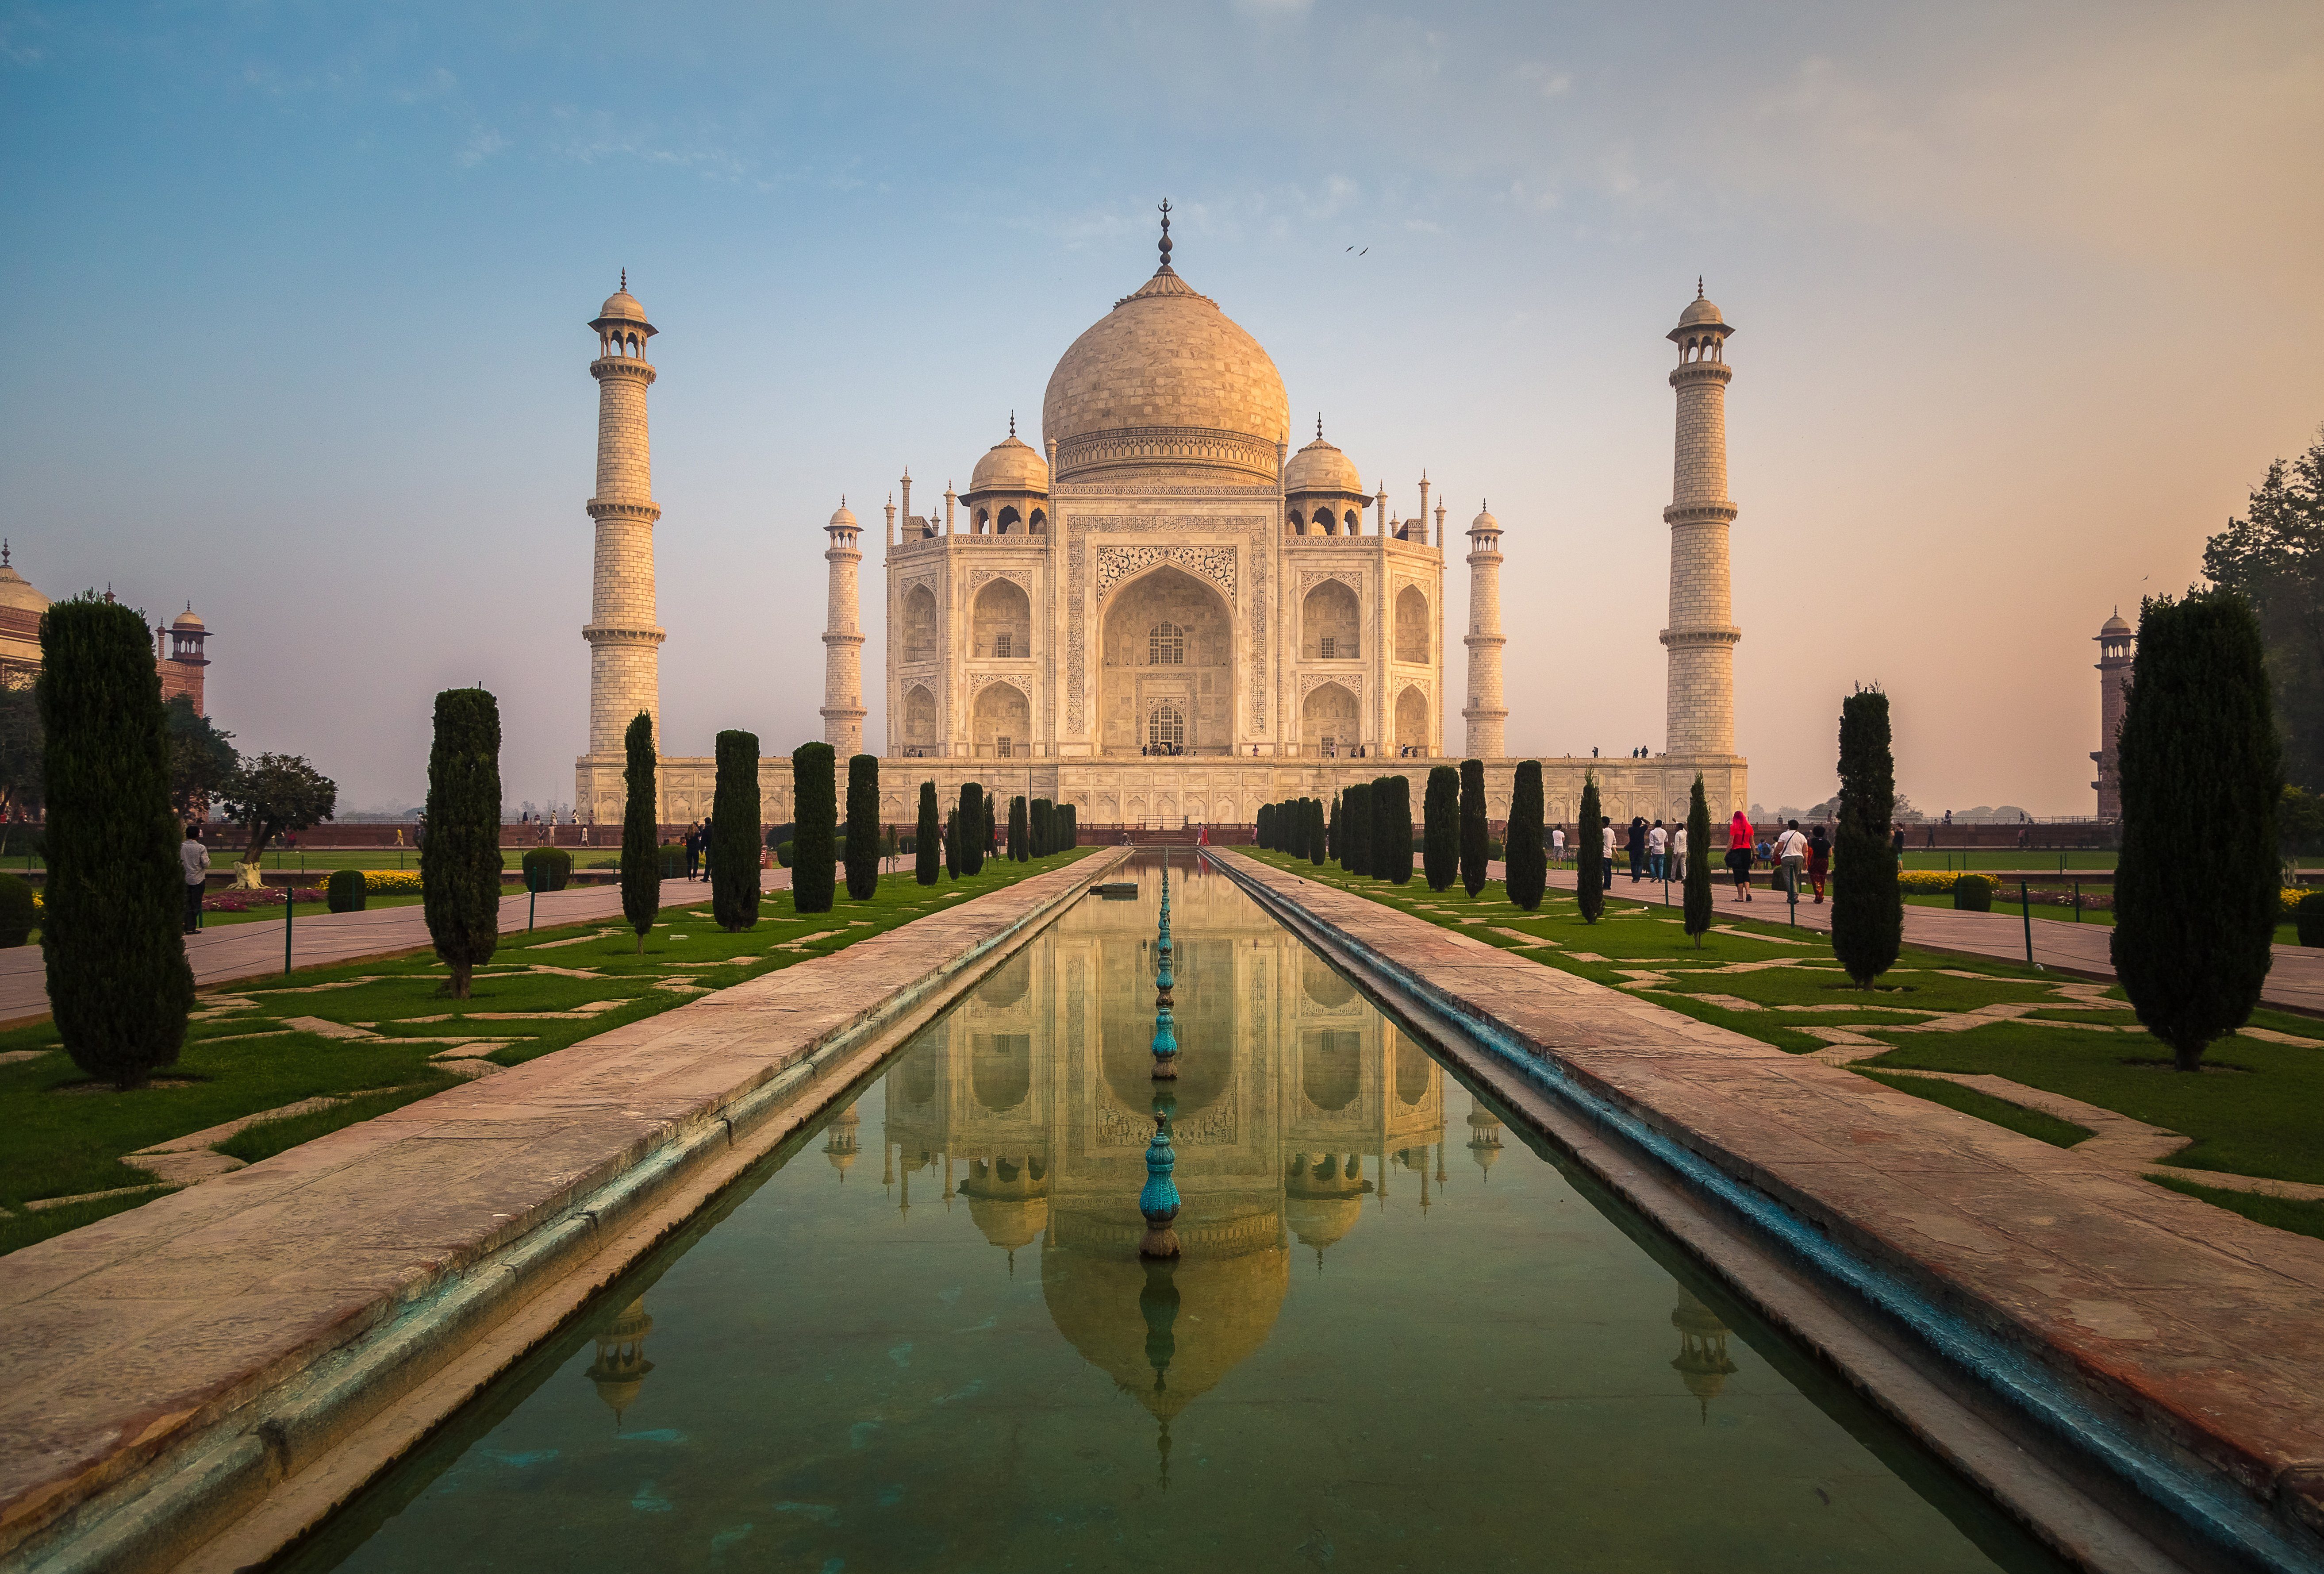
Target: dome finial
(1166,237)
(1012,423)
(1697,286)
(625,278)
(4,551)
(1319,426)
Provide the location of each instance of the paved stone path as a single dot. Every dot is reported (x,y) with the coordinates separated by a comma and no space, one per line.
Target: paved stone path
(2203,1324)
(244,950)
(144,1329)
(2296,982)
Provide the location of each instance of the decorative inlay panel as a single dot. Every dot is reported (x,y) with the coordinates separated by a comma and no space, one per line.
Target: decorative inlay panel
(1020,577)
(1354,682)
(1352,577)
(1216,564)
(978,682)
(1076,592)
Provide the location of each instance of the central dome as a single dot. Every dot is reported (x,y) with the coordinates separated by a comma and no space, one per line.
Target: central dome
(1166,380)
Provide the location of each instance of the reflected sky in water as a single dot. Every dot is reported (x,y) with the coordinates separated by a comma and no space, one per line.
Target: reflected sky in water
(1398,1339)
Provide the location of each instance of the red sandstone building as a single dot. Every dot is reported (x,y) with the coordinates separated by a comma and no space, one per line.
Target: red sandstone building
(178,652)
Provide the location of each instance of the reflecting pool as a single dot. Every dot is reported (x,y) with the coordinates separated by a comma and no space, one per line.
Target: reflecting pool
(1399,1336)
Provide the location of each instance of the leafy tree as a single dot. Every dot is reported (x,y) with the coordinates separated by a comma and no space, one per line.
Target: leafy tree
(1358,830)
(863,827)
(460,855)
(1697,900)
(1590,856)
(735,834)
(1868,909)
(1440,820)
(202,759)
(20,753)
(1475,830)
(113,903)
(2197,885)
(2300,821)
(2273,558)
(927,840)
(269,794)
(640,828)
(1020,841)
(814,799)
(975,816)
(1523,857)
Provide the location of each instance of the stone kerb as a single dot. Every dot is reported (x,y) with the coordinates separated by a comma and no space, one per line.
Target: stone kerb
(2071,1279)
(202,1348)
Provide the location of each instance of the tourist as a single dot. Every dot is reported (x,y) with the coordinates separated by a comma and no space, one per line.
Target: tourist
(693,850)
(1738,854)
(1678,849)
(1557,845)
(1791,855)
(1606,853)
(1897,843)
(1635,845)
(1658,852)
(195,858)
(1819,860)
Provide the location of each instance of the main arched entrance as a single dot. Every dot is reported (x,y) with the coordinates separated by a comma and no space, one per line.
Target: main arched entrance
(1165,677)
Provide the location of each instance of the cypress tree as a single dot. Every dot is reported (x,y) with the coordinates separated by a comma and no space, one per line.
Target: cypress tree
(1073,825)
(1441,827)
(735,834)
(1396,795)
(1357,830)
(814,808)
(1267,826)
(863,827)
(1333,843)
(1315,853)
(115,900)
(1020,849)
(1473,828)
(1697,905)
(973,817)
(1589,857)
(1868,909)
(2196,889)
(641,831)
(951,848)
(1037,818)
(991,842)
(928,838)
(1524,863)
(460,859)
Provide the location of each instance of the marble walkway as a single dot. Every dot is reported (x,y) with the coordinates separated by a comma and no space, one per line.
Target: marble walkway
(2204,1326)
(146,1329)
(229,952)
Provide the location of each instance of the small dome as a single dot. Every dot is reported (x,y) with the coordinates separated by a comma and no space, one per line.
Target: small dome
(18,596)
(841,519)
(1321,468)
(2114,625)
(188,620)
(1699,311)
(621,306)
(1484,521)
(1010,465)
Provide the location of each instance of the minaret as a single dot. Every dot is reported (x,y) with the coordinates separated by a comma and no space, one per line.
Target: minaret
(1700,711)
(2115,642)
(624,644)
(843,642)
(1485,712)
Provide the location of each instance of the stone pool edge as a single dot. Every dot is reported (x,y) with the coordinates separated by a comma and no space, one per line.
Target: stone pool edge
(2128,1495)
(189,1503)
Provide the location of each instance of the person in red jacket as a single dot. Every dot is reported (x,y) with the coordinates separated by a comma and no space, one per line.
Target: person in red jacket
(1738,854)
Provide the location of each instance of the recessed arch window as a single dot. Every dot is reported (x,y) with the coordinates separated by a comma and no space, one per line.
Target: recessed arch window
(1166,645)
(1166,730)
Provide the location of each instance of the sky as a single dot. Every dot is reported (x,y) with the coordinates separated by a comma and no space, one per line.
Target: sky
(2027,298)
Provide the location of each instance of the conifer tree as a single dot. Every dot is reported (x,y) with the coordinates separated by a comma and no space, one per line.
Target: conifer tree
(641,829)
(460,857)
(951,848)
(2197,887)
(991,843)
(863,827)
(1523,859)
(1474,837)
(1697,905)
(1265,835)
(814,799)
(1398,789)
(928,838)
(972,817)
(1357,830)
(1334,843)
(735,834)
(1868,909)
(119,988)
(1440,833)
(1589,859)
(1020,849)
(1315,853)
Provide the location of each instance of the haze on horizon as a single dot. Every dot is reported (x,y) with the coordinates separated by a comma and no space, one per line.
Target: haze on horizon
(2025,305)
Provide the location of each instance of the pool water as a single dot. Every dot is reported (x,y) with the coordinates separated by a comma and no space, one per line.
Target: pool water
(1400,1336)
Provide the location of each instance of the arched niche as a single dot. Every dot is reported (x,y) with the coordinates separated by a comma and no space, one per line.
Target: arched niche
(1003,725)
(1331,1067)
(920,716)
(1330,712)
(1168,642)
(1412,626)
(1412,720)
(1002,621)
(1329,623)
(919,625)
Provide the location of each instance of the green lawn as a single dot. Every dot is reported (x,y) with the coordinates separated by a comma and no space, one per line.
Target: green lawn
(66,1137)
(2260,1113)
(2287,933)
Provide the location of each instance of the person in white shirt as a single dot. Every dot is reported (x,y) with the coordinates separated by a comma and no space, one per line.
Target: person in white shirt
(1557,845)
(1657,850)
(195,859)
(1606,832)
(1791,853)
(1678,851)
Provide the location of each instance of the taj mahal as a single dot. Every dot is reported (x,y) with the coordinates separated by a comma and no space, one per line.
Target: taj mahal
(1165,613)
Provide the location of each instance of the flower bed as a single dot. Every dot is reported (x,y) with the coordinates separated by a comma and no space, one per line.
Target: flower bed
(258,901)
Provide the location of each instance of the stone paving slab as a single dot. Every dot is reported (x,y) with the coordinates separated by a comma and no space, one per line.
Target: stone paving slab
(2207,1328)
(2295,983)
(139,1331)
(252,949)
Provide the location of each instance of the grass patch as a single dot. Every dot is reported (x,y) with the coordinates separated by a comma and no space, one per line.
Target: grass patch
(2032,1123)
(269,1137)
(246,1056)
(2283,1213)
(18,1230)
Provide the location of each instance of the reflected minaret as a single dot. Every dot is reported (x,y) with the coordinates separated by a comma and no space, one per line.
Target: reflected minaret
(621,1366)
(1484,1136)
(1702,1361)
(1158,1303)
(839,1139)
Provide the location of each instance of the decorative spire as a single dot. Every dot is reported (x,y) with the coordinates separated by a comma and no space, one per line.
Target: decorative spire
(1166,238)
(1319,426)
(625,278)
(1697,286)
(1012,423)
(4,556)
